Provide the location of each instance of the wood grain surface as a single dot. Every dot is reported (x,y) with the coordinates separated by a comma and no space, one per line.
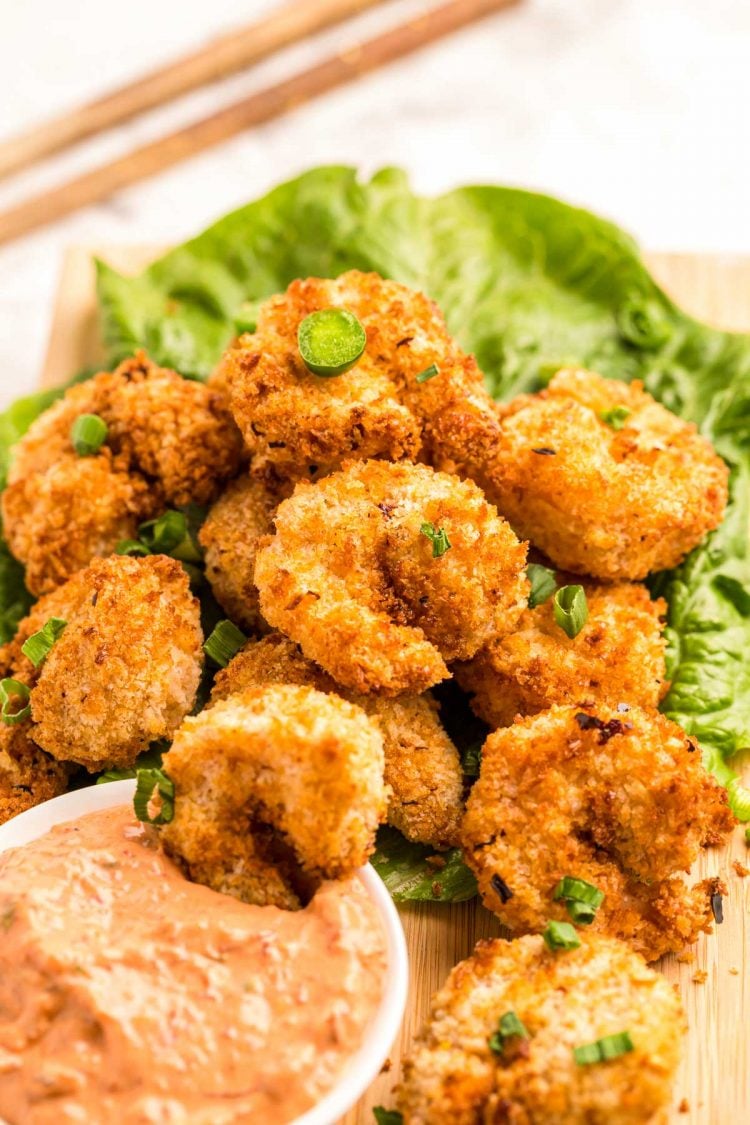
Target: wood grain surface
(713,1086)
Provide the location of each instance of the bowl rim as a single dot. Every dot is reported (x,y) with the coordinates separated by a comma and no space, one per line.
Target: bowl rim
(365,1064)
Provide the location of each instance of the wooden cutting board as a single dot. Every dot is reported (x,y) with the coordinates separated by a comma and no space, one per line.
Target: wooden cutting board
(713,1086)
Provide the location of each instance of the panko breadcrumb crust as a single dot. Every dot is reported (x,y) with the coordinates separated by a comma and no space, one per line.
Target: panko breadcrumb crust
(350,576)
(618,656)
(292,419)
(125,670)
(422,766)
(616,797)
(276,789)
(564,1000)
(170,441)
(611,503)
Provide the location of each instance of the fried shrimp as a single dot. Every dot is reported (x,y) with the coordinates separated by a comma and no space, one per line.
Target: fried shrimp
(613,796)
(422,766)
(276,789)
(230,535)
(603,479)
(169,442)
(617,656)
(125,670)
(292,419)
(563,1001)
(355,576)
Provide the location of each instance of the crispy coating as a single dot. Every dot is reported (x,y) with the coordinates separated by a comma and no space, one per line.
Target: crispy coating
(618,798)
(80,508)
(618,656)
(564,1000)
(276,789)
(422,766)
(351,578)
(292,419)
(610,503)
(125,670)
(230,534)
(170,441)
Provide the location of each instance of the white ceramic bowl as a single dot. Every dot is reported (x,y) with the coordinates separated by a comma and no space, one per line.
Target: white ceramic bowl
(365,1065)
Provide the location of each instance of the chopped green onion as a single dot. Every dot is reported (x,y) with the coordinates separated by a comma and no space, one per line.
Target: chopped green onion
(571,609)
(9,690)
(560,935)
(428,373)
(747,836)
(543,584)
(331,341)
(88,434)
(438,536)
(131,547)
(616,417)
(148,781)
(225,642)
(39,644)
(578,890)
(387,1116)
(610,1047)
(509,1026)
(581,913)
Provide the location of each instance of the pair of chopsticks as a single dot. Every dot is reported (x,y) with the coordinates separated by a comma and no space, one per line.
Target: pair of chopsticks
(231,53)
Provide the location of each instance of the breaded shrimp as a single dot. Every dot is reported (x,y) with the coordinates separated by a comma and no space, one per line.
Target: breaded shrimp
(618,656)
(352,577)
(563,1000)
(80,508)
(230,535)
(169,442)
(611,500)
(422,766)
(125,670)
(276,789)
(616,797)
(292,419)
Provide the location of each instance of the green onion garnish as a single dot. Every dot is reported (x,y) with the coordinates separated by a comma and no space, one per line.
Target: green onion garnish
(560,935)
(610,1047)
(571,609)
(131,547)
(578,890)
(387,1116)
(428,373)
(543,584)
(331,341)
(438,536)
(11,690)
(148,781)
(225,642)
(88,434)
(39,644)
(616,417)
(509,1026)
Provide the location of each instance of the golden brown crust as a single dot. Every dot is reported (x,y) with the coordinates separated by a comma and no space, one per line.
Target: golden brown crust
(618,657)
(230,535)
(276,789)
(564,1000)
(422,766)
(125,670)
(619,799)
(611,503)
(350,577)
(293,419)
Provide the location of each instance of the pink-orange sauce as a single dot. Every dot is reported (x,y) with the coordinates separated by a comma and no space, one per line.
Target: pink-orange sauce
(128,994)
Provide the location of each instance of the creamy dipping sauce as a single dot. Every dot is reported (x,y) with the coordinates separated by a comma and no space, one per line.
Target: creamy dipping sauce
(128,994)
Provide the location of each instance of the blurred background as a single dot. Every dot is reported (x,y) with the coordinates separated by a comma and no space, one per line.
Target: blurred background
(637,109)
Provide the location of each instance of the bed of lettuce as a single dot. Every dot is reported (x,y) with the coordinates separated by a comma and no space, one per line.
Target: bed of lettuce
(528,284)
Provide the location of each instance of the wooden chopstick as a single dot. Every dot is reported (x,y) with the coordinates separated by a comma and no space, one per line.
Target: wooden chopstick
(295,21)
(253,110)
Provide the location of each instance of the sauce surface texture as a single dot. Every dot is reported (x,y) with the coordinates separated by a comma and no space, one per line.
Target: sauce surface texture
(129,994)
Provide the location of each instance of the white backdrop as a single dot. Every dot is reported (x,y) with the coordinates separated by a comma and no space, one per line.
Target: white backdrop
(636,108)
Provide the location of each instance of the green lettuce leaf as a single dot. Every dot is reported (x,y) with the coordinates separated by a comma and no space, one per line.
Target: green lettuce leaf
(414,873)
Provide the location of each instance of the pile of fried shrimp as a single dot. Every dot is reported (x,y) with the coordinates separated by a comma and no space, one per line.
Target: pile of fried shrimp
(368,534)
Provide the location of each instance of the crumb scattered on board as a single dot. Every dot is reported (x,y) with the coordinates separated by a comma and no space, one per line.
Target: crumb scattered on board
(700,977)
